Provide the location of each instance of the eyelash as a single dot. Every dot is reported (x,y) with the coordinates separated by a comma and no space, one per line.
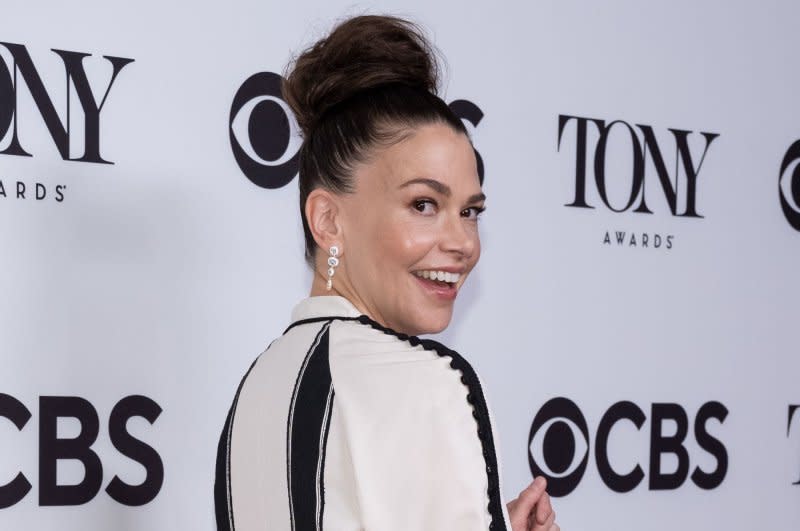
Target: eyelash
(477,209)
(419,202)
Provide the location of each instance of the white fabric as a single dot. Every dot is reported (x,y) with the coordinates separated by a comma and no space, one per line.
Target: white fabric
(402,451)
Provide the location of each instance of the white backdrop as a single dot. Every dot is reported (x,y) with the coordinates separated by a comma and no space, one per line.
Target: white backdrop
(165,273)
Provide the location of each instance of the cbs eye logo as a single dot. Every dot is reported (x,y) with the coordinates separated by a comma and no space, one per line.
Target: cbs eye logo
(558,446)
(789,185)
(265,138)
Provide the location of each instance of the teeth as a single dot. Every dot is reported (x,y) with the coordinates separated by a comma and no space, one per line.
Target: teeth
(442,276)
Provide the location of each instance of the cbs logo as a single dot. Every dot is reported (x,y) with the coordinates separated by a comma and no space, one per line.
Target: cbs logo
(558,446)
(54,448)
(265,138)
(789,185)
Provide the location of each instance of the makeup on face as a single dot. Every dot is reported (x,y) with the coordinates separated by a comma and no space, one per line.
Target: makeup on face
(412,229)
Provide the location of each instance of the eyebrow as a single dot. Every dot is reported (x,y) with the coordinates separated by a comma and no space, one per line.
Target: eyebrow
(442,188)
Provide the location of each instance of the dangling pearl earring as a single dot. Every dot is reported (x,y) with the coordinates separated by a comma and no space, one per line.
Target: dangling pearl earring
(332,263)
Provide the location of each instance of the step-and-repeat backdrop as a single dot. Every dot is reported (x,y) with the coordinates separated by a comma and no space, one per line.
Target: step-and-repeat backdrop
(634,316)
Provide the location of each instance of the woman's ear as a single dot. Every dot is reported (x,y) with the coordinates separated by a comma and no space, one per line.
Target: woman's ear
(324,220)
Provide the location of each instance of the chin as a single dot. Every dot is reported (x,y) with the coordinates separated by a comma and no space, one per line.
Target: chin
(431,322)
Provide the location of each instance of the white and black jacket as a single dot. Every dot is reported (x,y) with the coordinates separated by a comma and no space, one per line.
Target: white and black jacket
(344,425)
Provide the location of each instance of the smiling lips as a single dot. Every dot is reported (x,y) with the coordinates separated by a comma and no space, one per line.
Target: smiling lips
(440,284)
(441,276)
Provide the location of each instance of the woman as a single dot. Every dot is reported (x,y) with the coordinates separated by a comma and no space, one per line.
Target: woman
(349,420)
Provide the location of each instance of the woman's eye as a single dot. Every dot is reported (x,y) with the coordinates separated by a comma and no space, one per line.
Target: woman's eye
(424,206)
(472,212)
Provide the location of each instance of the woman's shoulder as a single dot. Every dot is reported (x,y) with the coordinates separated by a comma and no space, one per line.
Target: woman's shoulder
(365,353)
(366,339)
(368,358)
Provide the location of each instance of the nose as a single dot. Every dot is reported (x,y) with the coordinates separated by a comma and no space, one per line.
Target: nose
(459,236)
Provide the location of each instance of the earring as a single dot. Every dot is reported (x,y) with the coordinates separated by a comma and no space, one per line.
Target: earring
(332,263)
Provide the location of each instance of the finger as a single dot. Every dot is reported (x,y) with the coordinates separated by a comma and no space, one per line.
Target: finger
(535,488)
(532,493)
(547,525)
(525,502)
(555,527)
(511,506)
(543,508)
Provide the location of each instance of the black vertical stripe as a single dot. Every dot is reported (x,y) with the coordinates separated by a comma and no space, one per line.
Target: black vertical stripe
(223,503)
(309,418)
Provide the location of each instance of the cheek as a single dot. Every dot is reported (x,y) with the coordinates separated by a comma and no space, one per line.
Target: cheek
(403,243)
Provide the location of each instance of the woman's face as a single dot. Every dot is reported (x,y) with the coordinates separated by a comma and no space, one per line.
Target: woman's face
(410,229)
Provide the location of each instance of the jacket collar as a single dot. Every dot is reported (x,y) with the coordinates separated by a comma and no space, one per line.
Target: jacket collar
(321,306)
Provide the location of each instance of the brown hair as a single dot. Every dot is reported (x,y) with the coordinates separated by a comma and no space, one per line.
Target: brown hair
(364,85)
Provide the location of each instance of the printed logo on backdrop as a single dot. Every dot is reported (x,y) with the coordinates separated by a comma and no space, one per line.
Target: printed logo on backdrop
(265,139)
(789,185)
(794,411)
(643,181)
(559,446)
(72,140)
(54,448)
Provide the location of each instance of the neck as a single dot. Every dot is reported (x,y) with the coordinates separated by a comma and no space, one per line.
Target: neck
(319,288)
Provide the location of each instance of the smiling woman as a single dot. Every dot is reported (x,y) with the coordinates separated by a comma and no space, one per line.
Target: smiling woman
(349,420)
(408,243)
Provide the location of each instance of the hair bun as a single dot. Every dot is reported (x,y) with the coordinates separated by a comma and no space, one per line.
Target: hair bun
(360,53)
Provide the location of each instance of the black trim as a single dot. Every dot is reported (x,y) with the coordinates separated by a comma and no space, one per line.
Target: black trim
(307,431)
(223,500)
(319,320)
(480,411)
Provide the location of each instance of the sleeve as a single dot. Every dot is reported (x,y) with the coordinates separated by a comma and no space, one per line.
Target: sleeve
(421,447)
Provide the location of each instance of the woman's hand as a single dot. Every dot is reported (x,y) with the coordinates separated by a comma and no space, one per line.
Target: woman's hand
(531,511)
